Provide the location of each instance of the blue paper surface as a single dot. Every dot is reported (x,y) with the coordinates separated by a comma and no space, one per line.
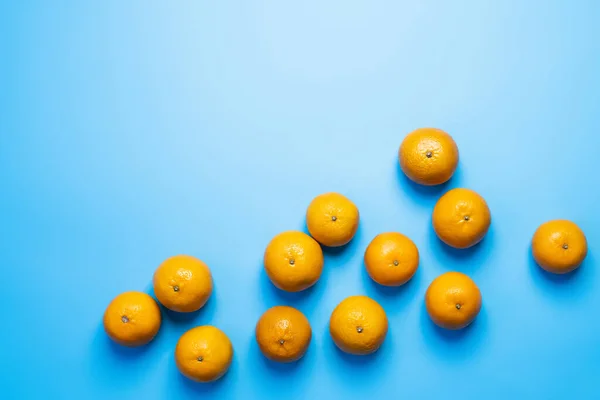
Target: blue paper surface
(131,131)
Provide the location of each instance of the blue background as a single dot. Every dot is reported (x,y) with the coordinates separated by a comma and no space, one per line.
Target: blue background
(133,131)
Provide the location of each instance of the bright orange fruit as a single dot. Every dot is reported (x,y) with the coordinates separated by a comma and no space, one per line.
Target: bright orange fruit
(358,325)
(453,300)
(204,353)
(461,218)
(293,261)
(428,156)
(183,283)
(332,219)
(283,334)
(391,259)
(559,246)
(132,319)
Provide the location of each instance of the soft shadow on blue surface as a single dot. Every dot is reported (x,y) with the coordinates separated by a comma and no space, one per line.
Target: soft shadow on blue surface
(355,362)
(120,366)
(426,195)
(343,253)
(392,299)
(202,389)
(568,279)
(346,250)
(449,345)
(201,316)
(281,377)
(307,298)
(279,368)
(564,288)
(466,260)
(356,371)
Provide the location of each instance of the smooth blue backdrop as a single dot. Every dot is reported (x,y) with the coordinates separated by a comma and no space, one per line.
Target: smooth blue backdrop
(131,131)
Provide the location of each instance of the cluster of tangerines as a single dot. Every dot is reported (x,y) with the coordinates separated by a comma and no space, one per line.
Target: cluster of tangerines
(294,262)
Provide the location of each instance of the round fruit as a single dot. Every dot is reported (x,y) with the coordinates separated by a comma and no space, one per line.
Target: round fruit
(461,218)
(428,156)
(183,283)
(391,259)
(453,300)
(358,325)
(559,246)
(283,334)
(132,319)
(332,219)
(293,261)
(203,354)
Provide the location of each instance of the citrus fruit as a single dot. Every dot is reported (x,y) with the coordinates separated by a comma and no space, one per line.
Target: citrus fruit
(559,246)
(132,319)
(293,261)
(453,300)
(182,283)
(358,325)
(204,353)
(428,156)
(283,334)
(461,218)
(391,259)
(332,219)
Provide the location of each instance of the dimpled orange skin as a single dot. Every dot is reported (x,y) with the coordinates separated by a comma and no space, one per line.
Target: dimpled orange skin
(358,325)
(453,300)
(461,218)
(203,354)
(559,246)
(391,259)
(332,219)
(132,319)
(183,283)
(428,156)
(293,261)
(283,334)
